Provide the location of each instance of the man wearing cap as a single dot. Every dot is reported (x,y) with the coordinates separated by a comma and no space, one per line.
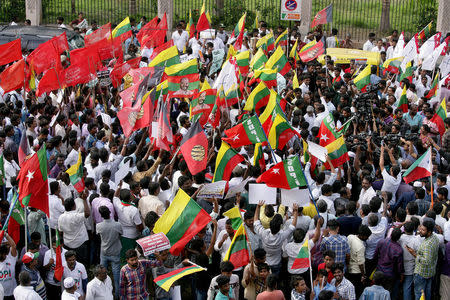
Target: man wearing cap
(8,259)
(101,286)
(30,262)
(70,290)
(76,271)
(25,291)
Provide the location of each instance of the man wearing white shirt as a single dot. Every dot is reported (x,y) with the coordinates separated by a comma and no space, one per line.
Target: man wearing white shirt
(224,238)
(392,179)
(25,290)
(310,116)
(56,204)
(100,288)
(11,167)
(367,191)
(378,47)
(180,37)
(369,44)
(391,48)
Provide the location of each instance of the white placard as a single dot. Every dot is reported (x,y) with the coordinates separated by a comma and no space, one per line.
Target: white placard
(233,190)
(318,151)
(122,172)
(208,34)
(106,119)
(155,130)
(213,190)
(258,192)
(297,196)
(52,122)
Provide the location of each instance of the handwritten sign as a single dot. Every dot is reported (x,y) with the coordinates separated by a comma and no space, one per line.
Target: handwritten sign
(153,243)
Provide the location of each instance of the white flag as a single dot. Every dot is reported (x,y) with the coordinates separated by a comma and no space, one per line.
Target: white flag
(430,44)
(445,65)
(227,77)
(430,61)
(399,47)
(409,52)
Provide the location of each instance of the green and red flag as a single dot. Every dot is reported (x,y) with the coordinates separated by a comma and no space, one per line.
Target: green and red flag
(425,32)
(282,39)
(266,116)
(258,98)
(238,253)
(403,101)
(76,174)
(165,281)
(440,116)
(59,268)
(302,260)
(408,73)
(246,133)
(286,174)
(280,131)
(16,220)
(393,65)
(202,104)
(181,221)
(258,157)
(333,141)
(190,27)
(227,159)
(278,61)
(313,52)
(242,61)
(122,27)
(234,214)
(266,43)
(258,60)
(194,148)
(323,17)
(187,71)
(421,168)
(363,79)
(166,58)
(238,32)
(33,183)
(434,87)
(268,76)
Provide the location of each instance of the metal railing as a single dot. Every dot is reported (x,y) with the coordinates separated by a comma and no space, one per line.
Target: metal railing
(357,17)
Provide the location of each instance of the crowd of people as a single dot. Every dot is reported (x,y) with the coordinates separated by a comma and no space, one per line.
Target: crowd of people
(370,235)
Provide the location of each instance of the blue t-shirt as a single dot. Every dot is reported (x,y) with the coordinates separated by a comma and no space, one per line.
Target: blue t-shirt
(221,296)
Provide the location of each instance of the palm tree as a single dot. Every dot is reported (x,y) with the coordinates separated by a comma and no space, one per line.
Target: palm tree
(385,10)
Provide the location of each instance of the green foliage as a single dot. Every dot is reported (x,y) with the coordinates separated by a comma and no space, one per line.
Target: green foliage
(428,9)
(12,10)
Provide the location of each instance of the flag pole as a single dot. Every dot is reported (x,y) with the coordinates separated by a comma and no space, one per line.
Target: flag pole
(11,208)
(307,183)
(50,246)
(267,139)
(310,267)
(26,226)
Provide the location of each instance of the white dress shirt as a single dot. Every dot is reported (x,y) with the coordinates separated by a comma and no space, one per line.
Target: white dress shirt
(180,40)
(25,293)
(99,290)
(73,225)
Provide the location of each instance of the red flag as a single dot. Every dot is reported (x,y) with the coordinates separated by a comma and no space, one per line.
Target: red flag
(103,32)
(60,43)
(76,74)
(44,57)
(10,52)
(33,183)
(121,70)
(127,117)
(194,148)
(202,23)
(59,269)
(86,56)
(157,37)
(147,29)
(313,52)
(13,77)
(165,136)
(323,17)
(49,82)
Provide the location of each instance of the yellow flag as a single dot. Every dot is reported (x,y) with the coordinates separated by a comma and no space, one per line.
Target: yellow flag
(295,84)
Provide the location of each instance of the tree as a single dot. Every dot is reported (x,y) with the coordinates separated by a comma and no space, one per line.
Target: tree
(385,10)
(132,7)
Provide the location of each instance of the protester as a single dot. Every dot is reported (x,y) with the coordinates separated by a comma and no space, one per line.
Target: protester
(198,160)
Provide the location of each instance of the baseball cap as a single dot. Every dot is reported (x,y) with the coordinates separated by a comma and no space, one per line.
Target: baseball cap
(29,256)
(417,184)
(69,282)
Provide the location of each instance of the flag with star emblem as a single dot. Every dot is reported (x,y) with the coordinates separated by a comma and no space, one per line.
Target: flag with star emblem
(33,183)
(194,148)
(285,175)
(333,141)
(248,132)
